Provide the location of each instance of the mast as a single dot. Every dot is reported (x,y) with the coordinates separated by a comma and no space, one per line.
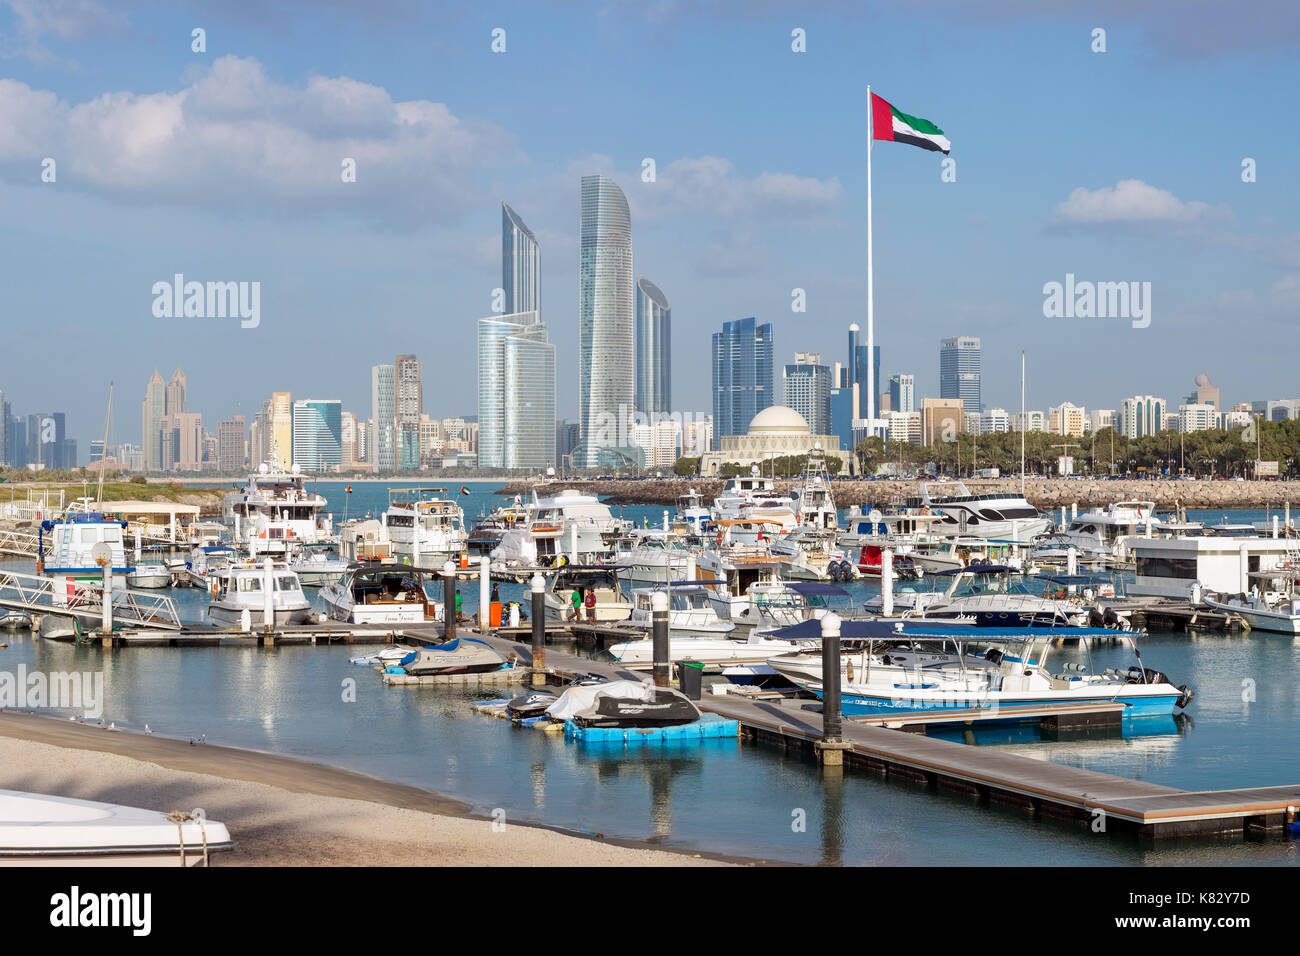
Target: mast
(1022,423)
(103,451)
(871,285)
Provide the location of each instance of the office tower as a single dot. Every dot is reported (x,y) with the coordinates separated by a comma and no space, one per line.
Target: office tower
(860,377)
(17,442)
(383,415)
(1067,419)
(844,412)
(46,440)
(1142,415)
(189,441)
(902,393)
(808,390)
(348,453)
(653,349)
(410,404)
(431,442)
(280,448)
(742,375)
(1100,418)
(230,445)
(605,315)
(175,394)
(567,438)
(1197,417)
(6,460)
(153,409)
(318,434)
(516,362)
(1204,393)
(959,370)
(942,420)
(516,392)
(994,420)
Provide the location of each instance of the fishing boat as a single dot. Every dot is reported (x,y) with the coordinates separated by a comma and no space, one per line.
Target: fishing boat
(693,514)
(902,668)
(424,529)
(245,588)
(37,829)
(814,506)
(463,655)
(383,593)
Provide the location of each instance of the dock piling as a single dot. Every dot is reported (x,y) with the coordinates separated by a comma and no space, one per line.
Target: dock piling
(887,582)
(449,600)
(832,746)
(539,629)
(659,636)
(268,597)
(484,592)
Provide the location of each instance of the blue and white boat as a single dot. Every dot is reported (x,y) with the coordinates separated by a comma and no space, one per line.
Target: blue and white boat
(904,667)
(66,547)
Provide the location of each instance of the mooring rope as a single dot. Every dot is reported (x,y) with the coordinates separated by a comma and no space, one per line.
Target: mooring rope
(180,817)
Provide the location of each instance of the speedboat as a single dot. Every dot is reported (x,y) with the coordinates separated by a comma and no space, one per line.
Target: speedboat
(901,667)
(753,649)
(384,593)
(624,703)
(149,574)
(1263,610)
(652,557)
(690,613)
(464,655)
(41,830)
(530,705)
(871,562)
(997,596)
(244,588)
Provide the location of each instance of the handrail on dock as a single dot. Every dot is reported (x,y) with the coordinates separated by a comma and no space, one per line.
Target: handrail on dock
(85,600)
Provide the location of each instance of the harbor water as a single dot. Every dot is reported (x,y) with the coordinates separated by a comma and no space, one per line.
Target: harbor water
(311,703)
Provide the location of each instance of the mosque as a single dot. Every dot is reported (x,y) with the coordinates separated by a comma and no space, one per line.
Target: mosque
(774,432)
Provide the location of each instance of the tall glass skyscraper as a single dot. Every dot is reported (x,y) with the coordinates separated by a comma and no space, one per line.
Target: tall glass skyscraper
(902,393)
(516,363)
(383,412)
(410,404)
(153,409)
(653,348)
(742,375)
(959,371)
(318,434)
(808,390)
(857,371)
(605,314)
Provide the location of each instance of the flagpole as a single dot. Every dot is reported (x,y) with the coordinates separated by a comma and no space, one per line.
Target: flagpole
(871,285)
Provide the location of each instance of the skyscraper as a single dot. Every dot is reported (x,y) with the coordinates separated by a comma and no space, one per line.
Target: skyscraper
(857,371)
(808,390)
(742,375)
(280,448)
(516,362)
(653,348)
(154,407)
(383,412)
(1142,415)
(318,434)
(605,314)
(230,445)
(902,393)
(5,427)
(410,403)
(959,371)
(175,394)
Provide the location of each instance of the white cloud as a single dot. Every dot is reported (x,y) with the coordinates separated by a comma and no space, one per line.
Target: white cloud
(65,20)
(1133,204)
(711,185)
(235,137)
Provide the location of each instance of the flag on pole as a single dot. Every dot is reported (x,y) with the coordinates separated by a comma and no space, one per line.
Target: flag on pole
(890,123)
(464,489)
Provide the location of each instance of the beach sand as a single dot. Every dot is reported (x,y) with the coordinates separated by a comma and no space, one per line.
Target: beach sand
(282,811)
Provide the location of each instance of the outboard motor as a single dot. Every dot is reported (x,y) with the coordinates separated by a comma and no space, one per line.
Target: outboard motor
(1096,618)
(1110,618)
(1185,697)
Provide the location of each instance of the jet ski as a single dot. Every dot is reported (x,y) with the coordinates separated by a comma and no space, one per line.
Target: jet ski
(624,704)
(465,655)
(530,705)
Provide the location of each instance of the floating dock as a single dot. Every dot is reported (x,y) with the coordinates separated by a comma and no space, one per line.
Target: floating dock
(708,727)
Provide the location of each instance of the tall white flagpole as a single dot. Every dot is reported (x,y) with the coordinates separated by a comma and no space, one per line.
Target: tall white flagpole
(1022,423)
(871,284)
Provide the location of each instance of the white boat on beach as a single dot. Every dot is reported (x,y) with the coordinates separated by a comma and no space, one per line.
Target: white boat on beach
(41,830)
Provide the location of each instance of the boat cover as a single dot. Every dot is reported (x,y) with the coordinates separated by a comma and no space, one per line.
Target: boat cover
(583,696)
(918,629)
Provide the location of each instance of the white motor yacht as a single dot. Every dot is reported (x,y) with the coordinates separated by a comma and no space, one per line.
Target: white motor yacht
(245,587)
(274,511)
(384,593)
(424,529)
(1004,516)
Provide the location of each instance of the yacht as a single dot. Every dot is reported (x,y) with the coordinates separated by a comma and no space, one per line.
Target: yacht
(243,587)
(814,506)
(1099,534)
(318,565)
(424,529)
(1003,516)
(569,523)
(274,511)
(693,514)
(690,613)
(384,593)
(611,604)
(652,557)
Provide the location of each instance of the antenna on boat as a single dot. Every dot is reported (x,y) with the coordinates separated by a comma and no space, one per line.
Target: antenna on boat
(103,449)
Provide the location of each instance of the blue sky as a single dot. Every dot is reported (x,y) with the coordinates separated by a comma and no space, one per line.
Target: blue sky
(224,165)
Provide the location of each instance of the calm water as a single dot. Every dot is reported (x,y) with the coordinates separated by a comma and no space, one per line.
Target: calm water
(720,796)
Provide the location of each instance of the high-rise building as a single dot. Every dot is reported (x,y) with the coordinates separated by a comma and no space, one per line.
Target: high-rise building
(516,362)
(516,392)
(230,445)
(902,393)
(808,390)
(653,348)
(153,409)
(175,394)
(1100,418)
(606,387)
(942,419)
(860,377)
(742,375)
(318,434)
(383,419)
(1197,417)
(959,371)
(5,426)
(47,440)
(410,405)
(1204,393)
(348,454)
(188,441)
(994,420)
(1067,419)
(1142,415)
(280,449)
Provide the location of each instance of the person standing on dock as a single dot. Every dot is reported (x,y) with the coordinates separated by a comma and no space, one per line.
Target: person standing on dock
(576,599)
(459,616)
(590,601)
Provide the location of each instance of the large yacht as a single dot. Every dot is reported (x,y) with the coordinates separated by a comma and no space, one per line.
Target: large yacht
(424,529)
(566,523)
(1004,516)
(275,511)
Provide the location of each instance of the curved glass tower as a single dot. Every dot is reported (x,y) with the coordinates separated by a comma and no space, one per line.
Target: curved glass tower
(521,264)
(653,348)
(605,315)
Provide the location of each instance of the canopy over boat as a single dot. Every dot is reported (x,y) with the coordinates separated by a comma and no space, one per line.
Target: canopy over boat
(932,630)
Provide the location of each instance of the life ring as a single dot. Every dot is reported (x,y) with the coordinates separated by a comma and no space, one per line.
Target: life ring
(561,561)
(925,511)
(719,539)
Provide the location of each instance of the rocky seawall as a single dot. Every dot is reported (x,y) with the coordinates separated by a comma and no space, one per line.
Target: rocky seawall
(1044,493)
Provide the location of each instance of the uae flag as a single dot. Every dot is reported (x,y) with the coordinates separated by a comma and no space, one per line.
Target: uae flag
(889,122)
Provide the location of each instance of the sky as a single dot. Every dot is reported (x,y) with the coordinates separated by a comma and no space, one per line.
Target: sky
(225,165)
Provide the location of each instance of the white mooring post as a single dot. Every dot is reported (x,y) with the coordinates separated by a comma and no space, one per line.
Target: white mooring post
(1072,560)
(484,593)
(107,621)
(268,595)
(887,583)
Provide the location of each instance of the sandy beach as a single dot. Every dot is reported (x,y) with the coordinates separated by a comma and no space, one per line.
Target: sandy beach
(282,811)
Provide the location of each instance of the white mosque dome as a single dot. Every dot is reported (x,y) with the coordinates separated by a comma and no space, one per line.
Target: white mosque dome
(779,419)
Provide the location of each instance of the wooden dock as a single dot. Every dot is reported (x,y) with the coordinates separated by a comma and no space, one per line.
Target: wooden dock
(203,635)
(992,776)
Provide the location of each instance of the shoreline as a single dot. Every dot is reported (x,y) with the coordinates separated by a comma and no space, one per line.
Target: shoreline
(1044,494)
(284,811)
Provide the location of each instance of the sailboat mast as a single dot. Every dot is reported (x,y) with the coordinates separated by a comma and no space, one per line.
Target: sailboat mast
(103,450)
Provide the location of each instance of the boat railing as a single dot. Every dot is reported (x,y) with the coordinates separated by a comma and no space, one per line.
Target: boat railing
(44,595)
